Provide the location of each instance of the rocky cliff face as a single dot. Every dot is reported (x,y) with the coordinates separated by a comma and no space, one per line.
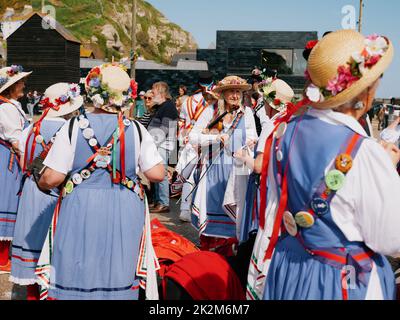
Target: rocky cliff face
(104,26)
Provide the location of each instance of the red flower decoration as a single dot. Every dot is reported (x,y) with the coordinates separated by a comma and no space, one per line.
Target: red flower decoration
(372,61)
(134,88)
(311,44)
(277,102)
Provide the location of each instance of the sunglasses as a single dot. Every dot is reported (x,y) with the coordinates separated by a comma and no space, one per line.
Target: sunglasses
(148,98)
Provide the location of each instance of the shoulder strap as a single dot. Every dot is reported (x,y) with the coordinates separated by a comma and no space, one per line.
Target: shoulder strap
(139,131)
(71,128)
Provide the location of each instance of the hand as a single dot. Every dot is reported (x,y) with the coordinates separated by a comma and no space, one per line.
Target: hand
(393,151)
(223,138)
(15,147)
(251,143)
(241,154)
(394,124)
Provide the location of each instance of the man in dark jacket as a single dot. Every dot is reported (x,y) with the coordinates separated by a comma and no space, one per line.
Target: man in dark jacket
(163,128)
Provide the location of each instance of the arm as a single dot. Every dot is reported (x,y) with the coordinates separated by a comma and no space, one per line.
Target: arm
(150,161)
(51,179)
(196,136)
(11,126)
(377,202)
(391,133)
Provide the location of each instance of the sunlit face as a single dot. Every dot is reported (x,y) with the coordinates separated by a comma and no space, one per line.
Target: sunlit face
(17,90)
(181,92)
(148,100)
(233,97)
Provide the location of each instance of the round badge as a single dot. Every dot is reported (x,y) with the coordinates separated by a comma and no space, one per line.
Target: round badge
(279,156)
(77,179)
(127,122)
(334,180)
(53,139)
(281,130)
(88,133)
(69,187)
(39,139)
(83,123)
(304,219)
(344,163)
(319,206)
(130,184)
(85,174)
(290,223)
(93,142)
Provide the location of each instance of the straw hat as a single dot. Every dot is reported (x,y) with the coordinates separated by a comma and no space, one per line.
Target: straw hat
(110,88)
(232,82)
(343,64)
(11,75)
(65,97)
(277,93)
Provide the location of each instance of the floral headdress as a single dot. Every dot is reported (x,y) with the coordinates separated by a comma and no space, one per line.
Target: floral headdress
(13,70)
(102,95)
(74,91)
(375,48)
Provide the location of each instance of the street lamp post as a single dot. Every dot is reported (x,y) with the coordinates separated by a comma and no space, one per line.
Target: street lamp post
(133,39)
(360,16)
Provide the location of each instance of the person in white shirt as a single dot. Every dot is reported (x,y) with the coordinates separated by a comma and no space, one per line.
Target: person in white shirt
(12,121)
(332,210)
(228,128)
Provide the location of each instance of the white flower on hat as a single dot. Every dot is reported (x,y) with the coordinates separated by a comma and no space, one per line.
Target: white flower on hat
(313,93)
(360,60)
(97,100)
(376,46)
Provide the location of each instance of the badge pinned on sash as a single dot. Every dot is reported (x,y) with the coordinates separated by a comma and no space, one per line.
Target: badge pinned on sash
(290,223)
(39,139)
(344,162)
(304,219)
(335,180)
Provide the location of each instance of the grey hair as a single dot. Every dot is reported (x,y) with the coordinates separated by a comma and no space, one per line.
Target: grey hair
(221,102)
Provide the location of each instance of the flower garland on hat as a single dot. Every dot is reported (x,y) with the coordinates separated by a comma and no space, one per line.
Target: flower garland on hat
(375,47)
(46,105)
(12,71)
(74,91)
(269,96)
(101,94)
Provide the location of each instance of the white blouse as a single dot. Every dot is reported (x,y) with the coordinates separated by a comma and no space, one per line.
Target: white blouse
(61,156)
(12,121)
(197,137)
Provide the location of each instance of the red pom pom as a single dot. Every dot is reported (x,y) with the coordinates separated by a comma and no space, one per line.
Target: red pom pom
(277,102)
(311,44)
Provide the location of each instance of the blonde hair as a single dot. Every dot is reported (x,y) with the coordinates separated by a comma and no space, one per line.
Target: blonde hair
(163,88)
(221,102)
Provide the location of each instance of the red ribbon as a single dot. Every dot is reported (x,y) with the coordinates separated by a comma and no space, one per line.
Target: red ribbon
(122,145)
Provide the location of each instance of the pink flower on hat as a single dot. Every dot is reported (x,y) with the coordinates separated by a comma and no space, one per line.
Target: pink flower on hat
(343,80)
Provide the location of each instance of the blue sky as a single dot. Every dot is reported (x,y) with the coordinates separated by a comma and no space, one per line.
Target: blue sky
(203,18)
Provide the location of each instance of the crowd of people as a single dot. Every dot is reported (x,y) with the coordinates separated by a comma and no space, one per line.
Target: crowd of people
(292,196)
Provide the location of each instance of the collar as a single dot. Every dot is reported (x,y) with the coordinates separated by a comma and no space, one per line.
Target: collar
(338,118)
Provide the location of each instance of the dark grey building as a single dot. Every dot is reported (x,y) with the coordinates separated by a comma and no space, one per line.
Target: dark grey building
(238,52)
(49,50)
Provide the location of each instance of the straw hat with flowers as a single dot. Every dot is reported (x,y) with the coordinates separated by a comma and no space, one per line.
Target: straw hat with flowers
(11,75)
(344,64)
(110,88)
(232,82)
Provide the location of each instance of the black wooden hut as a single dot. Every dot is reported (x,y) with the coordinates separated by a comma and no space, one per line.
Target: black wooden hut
(46,48)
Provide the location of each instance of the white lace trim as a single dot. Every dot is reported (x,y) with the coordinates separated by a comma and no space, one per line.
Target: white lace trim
(6,238)
(23,282)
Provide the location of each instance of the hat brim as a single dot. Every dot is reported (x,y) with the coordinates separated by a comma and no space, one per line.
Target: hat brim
(66,108)
(14,80)
(358,87)
(241,87)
